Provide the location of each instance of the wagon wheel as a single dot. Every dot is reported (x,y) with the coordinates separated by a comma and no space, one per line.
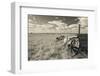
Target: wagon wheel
(75,46)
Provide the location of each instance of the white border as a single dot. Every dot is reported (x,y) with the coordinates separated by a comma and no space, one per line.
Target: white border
(19,38)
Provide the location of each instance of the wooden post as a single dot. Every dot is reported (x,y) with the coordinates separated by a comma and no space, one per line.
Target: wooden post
(79,29)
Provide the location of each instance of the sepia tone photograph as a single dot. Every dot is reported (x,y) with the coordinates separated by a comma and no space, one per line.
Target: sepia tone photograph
(57,37)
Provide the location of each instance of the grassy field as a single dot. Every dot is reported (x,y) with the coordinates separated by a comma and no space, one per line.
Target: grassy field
(43,46)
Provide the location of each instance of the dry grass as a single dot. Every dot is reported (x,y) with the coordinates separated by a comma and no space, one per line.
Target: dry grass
(45,47)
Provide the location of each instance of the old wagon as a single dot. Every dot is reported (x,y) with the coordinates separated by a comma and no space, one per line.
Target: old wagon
(79,44)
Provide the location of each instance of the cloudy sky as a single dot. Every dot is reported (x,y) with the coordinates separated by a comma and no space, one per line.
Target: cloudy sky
(56,24)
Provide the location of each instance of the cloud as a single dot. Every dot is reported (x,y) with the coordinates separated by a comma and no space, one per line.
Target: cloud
(83,21)
(73,28)
(43,28)
(58,23)
(58,26)
(55,26)
(30,20)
